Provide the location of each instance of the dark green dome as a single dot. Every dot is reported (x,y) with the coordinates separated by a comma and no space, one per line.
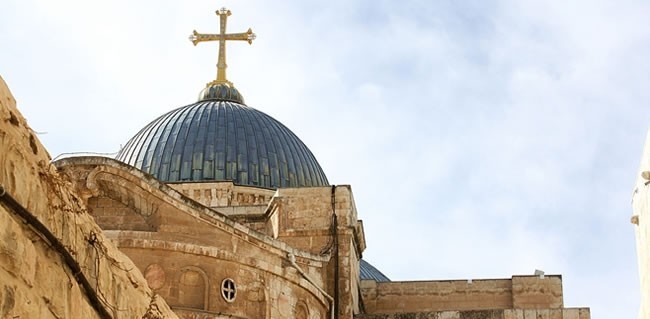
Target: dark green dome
(369,272)
(218,139)
(221,92)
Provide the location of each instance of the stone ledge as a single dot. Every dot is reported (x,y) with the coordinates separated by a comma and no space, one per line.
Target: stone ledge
(565,313)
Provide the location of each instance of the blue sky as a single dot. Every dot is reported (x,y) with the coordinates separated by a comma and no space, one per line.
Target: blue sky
(482,139)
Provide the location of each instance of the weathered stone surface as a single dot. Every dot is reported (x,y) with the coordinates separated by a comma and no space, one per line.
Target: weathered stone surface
(534,292)
(35,281)
(189,239)
(521,296)
(189,249)
(570,313)
(422,296)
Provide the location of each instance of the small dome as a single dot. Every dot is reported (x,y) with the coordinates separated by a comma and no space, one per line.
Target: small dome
(369,272)
(221,91)
(220,140)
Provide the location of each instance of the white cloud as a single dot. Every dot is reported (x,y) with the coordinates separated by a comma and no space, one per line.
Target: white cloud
(488,138)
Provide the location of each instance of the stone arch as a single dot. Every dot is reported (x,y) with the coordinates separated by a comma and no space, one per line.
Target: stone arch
(301,310)
(193,288)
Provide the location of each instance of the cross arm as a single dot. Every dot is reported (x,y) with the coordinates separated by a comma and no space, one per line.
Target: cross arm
(248,36)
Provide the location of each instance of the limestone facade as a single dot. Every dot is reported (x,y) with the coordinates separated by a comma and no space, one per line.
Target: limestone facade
(187,250)
(55,262)
(171,236)
(519,292)
(211,250)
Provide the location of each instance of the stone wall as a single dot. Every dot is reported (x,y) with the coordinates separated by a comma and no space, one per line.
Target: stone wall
(189,249)
(306,222)
(564,313)
(520,292)
(224,194)
(109,213)
(54,260)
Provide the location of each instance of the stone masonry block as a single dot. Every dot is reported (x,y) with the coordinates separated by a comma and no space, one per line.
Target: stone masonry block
(570,314)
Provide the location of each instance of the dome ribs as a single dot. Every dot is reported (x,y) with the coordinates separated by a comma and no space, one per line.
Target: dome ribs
(231,147)
(295,172)
(191,141)
(166,156)
(278,156)
(223,140)
(157,146)
(242,147)
(148,148)
(179,143)
(219,144)
(251,147)
(266,151)
(209,157)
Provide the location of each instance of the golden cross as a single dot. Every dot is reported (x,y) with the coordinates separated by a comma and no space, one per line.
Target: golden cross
(222,37)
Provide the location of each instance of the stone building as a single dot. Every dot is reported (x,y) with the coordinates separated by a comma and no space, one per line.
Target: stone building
(227,214)
(55,261)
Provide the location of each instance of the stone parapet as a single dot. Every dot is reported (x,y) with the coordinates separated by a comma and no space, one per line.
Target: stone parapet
(224,194)
(565,313)
(519,292)
(534,292)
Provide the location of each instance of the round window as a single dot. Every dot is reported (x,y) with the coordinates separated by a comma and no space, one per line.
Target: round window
(228,290)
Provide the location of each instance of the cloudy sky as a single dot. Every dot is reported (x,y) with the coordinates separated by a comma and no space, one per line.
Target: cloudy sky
(481,138)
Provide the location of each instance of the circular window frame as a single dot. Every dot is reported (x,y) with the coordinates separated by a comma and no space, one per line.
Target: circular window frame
(228,290)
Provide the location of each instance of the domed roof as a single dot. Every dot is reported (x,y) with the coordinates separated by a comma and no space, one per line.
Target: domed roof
(369,272)
(218,139)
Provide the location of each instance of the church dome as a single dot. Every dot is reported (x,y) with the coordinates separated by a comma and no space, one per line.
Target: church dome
(369,272)
(219,139)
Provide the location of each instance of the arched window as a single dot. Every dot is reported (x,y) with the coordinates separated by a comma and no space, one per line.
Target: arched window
(193,288)
(301,310)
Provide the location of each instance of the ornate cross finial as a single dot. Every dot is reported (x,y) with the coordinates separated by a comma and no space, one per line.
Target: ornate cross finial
(222,37)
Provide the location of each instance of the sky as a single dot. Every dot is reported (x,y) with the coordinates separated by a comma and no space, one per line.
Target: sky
(482,139)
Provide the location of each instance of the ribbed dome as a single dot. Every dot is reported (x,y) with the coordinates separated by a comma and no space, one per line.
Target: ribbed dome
(217,140)
(369,272)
